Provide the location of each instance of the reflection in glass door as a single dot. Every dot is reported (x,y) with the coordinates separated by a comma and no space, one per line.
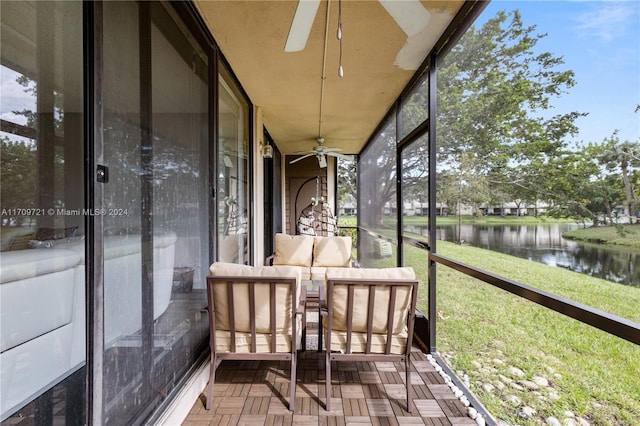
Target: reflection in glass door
(42,257)
(156,235)
(233,173)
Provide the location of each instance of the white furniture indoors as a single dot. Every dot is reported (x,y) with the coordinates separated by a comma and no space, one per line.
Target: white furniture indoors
(42,309)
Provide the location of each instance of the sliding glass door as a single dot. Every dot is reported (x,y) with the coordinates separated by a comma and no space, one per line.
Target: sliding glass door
(155,249)
(233,172)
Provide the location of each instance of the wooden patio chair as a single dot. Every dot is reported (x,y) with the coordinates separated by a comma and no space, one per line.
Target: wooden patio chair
(253,316)
(370,316)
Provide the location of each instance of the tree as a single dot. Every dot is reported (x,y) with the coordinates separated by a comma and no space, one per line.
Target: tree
(377,177)
(415,172)
(18,188)
(617,155)
(574,184)
(492,91)
(347,181)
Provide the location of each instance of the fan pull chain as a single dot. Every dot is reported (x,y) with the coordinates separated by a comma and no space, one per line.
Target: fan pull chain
(339,35)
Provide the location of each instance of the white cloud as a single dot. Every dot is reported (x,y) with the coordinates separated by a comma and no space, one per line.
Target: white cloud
(14,118)
(12,94)
(610,19)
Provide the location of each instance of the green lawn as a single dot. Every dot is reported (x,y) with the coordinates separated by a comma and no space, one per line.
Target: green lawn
(480,220)
(500,220)
(620,235)
(390,222)
(483,331)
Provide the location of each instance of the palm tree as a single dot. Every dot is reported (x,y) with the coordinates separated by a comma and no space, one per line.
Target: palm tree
(624,155)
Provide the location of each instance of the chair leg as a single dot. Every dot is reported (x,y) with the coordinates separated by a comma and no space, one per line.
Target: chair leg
(327,375)
(212,379)
(320,332)
(304,332)
(292,396)
(409,388)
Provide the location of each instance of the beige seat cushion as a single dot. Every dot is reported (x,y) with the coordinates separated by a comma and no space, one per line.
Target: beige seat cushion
(241,297)
(293,250)
(404,273)
(361,299)
(317,273)
(305,273)
(332,251)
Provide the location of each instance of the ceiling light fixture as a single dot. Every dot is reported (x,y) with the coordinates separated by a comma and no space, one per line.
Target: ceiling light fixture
(267,151)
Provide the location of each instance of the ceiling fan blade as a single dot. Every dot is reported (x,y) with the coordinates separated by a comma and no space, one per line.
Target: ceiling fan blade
(332,149)
(301,158)
(410,15)
(301,25)
(343,156)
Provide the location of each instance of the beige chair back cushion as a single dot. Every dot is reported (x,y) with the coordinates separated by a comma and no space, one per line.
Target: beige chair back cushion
(332,251)
(293,250)
(241,297)
(378,342)
(361,299)
(263,342)
(228,248)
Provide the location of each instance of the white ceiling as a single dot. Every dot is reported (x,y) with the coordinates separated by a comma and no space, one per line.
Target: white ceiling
(379,57)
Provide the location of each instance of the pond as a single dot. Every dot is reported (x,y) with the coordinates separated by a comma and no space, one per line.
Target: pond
(545,244)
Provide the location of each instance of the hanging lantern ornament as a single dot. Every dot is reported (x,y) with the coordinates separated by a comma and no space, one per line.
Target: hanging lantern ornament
(317,218)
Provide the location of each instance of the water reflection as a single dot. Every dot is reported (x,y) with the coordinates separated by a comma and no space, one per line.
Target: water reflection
(545,244)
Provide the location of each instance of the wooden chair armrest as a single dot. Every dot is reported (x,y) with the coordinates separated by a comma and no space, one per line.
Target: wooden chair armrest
(322,301)
(302,303)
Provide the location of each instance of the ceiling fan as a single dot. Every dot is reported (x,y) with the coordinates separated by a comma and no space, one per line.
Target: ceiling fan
(305,15)
(410,15)
(321,152)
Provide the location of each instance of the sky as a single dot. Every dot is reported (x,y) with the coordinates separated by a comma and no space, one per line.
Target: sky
(13,97)
(600,42)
